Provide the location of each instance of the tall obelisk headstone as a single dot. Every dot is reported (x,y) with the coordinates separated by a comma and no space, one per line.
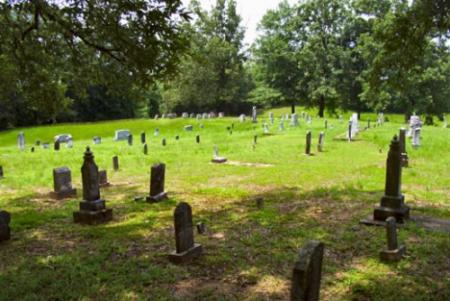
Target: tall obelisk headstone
(92,208)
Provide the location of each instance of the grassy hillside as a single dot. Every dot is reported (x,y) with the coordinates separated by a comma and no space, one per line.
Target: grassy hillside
(249,252)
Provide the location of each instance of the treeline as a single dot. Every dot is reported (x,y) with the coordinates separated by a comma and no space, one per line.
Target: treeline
(380,55)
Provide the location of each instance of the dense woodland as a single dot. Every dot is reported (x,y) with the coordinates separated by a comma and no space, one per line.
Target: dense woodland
(72,60)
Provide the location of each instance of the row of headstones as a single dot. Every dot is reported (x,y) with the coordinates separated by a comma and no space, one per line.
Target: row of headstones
(210,115)
(59,139)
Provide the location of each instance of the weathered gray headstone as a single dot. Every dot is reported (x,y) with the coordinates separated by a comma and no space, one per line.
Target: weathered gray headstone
(5,230)
(97,140)
(266,128)
(69,143)
(157,179)
(92,208)
(21,141)
(115,163)
(45,145)
(156,132)
(254,115)
(242,118)
(186,249)
(271,118)
(308,143)
(188,128)
(216,158)
(394,252)
(416,137)
(307,273)
(103,178)
(121,135)
(320,143)
(403,153)
(326,124)
(294,120)
(393,201)
(62,184)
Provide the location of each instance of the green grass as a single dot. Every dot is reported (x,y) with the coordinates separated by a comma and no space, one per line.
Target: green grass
(249,252)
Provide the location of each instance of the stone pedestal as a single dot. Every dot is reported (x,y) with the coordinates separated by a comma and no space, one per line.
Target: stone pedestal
(92,209)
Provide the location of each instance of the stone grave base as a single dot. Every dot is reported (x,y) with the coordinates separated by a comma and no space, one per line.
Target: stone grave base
(219,160)
(59,195)
(157,198)
(393,255)
(186,256)
(92,217)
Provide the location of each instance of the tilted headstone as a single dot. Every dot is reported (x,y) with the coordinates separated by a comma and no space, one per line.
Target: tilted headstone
(115,160)
(92,208)
(320,143)
(97,140)
(145,150)
(130,140)
(254,115)
(307,273)
(57,145)
(216,158)
(156,117)
(393,201)
(157,179)
(294,120)
(163,116)
(103,178)
(121,135)
(416,137)
(394,252)
(186,248)
(188,128)
(62,184)
(404,154)
(143,138)
(308,143)
(5,230)
(21,141)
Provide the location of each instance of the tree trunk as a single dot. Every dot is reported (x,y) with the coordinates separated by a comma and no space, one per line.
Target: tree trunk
(321,106)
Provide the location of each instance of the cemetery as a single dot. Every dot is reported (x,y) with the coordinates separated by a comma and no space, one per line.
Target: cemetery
(225,150)
(260,214)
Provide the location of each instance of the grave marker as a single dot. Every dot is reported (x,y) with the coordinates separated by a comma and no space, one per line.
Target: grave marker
(308,143)
(57,145)
(121,135)
(103,179)
(143,138)
(62,184)
(130,140)
(403,153)
(5,230)
(157,179)
(197,139)
(294,120)
(307,273)
(320,143)
(188,128)
(21,141)
(186,248)
(115,160)
(416,138)
(254,115)
(216,157)
(163,142)
(394,252)
(145,149)
(92,208)
(97,140)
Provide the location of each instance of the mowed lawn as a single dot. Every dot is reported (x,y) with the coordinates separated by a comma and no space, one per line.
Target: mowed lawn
(249,252)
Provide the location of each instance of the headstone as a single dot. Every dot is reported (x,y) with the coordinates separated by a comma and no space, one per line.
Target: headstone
(414,123)
(57,145)
(242,118)
(216,158)
(320,143)
(115,160)
(45,145)
(445,123)
(163,142)
(130,140)
(156,132)
(255,139)
(404,154)
(97,140)
(221,114)
(416,137)
(294,120)
(201,228)
(204,115)
(145,149)
(197,139)
(326,124)
(69,144)
(156,116)
(266,128)
(350,131)
(38,142)
(157,179)
(394,252)
(185,115)
(192,115)
(103,178)
(254,115)
(393,201)
(1,172)
(32,149)
(62,184)
(201,125)
(198,117)
(92,208)
(368,123)
(5,230)
(121,135)
(281,126)
(307,273)
(341,119)
(308,143)
(188,128)
(308,119)
(186,249)
(271,118)
(21,141)
(163,116)
(143,138)
(63,138)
